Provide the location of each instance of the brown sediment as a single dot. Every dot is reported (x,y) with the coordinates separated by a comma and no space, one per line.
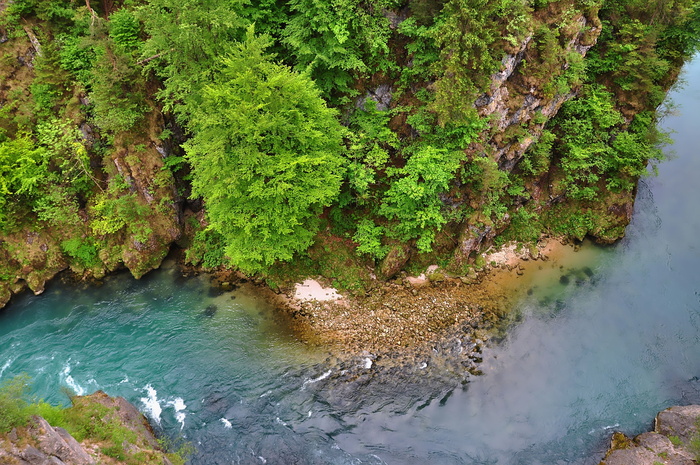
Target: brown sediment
(406,313)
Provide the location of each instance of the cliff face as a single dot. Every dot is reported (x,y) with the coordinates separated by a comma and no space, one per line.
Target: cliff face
(492,122)
(130,218)
(674,441)
(519,104)
(40,443)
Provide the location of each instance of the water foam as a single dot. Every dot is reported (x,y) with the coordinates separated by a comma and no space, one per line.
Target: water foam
(6,366)
(227,424)
(604,428)
(179,405)
(316,380)
(151,404)
(68,379)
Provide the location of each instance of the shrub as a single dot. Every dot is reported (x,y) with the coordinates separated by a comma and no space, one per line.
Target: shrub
(12,403)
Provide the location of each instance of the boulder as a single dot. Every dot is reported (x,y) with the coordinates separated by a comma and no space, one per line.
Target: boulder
(679,421)
(39,443)
(49,446)
(668,444)
(58,443)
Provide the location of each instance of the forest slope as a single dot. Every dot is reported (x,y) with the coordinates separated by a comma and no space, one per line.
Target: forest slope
(346,139)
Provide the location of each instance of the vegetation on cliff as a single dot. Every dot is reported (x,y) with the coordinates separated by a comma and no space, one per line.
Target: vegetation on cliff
(322,136)
(95,429)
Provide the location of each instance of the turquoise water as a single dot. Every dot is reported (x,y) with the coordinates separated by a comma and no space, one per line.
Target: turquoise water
(603,352)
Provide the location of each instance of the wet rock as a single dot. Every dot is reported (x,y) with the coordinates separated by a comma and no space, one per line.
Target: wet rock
(210,311)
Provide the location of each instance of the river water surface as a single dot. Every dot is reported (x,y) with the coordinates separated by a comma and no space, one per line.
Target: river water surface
(602,349)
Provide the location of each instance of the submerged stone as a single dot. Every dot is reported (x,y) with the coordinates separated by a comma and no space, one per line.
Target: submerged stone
(210,311)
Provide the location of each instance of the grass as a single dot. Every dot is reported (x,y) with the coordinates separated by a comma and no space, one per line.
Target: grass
(84,421)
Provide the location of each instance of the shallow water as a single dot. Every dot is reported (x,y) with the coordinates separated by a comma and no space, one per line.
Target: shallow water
(601,346)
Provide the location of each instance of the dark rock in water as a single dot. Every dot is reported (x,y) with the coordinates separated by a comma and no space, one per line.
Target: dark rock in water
(181,279)
(564,279)
(217,403)
(210,311)
(238,411)
(446,397)
(669,443)
(215,291)
(588,272)
(530,291)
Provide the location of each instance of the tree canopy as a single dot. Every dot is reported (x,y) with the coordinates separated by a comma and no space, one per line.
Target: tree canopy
(266,153)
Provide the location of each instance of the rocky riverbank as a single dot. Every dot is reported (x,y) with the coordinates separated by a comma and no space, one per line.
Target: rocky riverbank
(674,441)
(108,418)
(414,330)
(412,311)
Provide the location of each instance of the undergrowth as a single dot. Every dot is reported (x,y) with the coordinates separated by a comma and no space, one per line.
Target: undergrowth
(83,420)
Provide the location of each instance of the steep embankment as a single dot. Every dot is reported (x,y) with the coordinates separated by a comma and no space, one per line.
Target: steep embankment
(674,441)
(111,431)
(352,141)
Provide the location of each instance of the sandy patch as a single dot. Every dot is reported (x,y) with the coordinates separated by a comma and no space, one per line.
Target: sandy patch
(312,290)
(509,255)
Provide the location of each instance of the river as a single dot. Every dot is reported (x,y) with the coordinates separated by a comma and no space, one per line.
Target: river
(591,353)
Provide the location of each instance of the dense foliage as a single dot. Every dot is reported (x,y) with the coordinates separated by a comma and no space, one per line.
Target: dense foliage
(266,156)
(376,122)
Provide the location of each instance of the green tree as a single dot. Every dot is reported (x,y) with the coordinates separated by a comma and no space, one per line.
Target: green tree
(265,154)
(23,169)
(414,196)
(124,29)
(186,37)
(594,146)
(337,40)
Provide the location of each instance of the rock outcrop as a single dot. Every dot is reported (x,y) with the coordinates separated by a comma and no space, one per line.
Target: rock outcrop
(676,432)
(39,443)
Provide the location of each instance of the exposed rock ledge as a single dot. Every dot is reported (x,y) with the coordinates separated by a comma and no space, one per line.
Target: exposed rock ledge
(39,443)
(676,430)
